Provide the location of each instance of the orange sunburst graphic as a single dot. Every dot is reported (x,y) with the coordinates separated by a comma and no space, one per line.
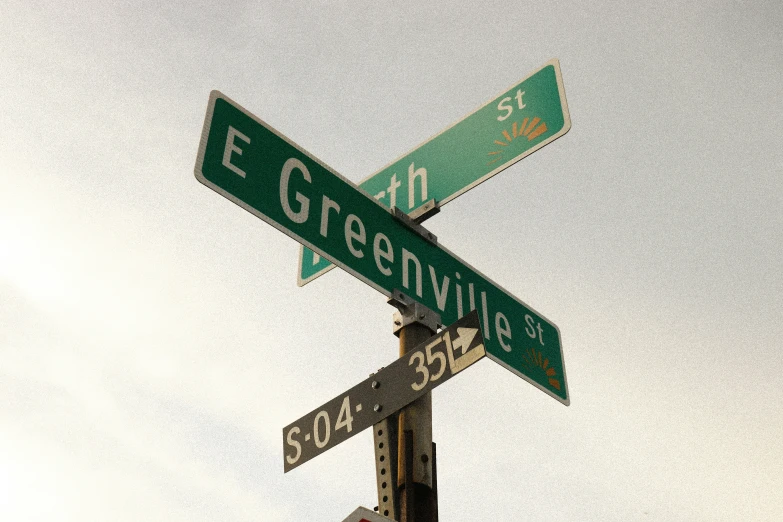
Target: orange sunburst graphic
(535,358)
(530,129)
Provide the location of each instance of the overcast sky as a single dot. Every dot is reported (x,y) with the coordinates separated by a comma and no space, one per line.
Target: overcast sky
(153,340)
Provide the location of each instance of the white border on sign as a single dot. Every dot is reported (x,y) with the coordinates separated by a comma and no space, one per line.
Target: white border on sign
(198,170)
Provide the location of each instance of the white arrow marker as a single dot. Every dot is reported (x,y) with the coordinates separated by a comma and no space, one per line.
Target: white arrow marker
(462,342)
(465,337)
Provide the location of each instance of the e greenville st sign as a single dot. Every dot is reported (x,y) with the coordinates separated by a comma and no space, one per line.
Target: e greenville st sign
(516,123)
(256,167)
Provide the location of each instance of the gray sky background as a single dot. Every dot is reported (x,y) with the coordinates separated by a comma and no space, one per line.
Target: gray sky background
(153,341)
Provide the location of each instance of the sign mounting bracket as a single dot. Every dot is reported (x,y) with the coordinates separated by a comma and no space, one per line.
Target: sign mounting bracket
(426,211)
(406,220)
(410,311)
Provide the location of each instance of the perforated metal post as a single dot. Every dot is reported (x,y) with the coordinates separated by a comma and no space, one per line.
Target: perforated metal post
(385,439)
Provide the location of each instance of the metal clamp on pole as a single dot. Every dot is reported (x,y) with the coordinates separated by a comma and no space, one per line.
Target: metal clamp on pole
(410,311)
(426,211)
(413,224)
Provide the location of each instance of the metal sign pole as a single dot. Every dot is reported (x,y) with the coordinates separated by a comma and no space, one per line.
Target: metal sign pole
(414,324)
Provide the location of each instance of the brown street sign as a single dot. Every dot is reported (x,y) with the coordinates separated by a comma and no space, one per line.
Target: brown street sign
(406,379)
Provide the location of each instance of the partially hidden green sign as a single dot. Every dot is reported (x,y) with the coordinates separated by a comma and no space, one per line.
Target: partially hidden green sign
(256,167)
(519,121)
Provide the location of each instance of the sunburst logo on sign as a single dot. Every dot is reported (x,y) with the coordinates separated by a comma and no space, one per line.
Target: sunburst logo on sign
(534,358)
(530,129)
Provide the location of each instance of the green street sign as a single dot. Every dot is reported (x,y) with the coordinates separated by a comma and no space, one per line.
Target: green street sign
(519,121)
(256,167)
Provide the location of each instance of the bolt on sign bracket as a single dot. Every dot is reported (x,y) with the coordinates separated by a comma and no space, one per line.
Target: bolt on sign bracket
(406,220)
(410,311)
